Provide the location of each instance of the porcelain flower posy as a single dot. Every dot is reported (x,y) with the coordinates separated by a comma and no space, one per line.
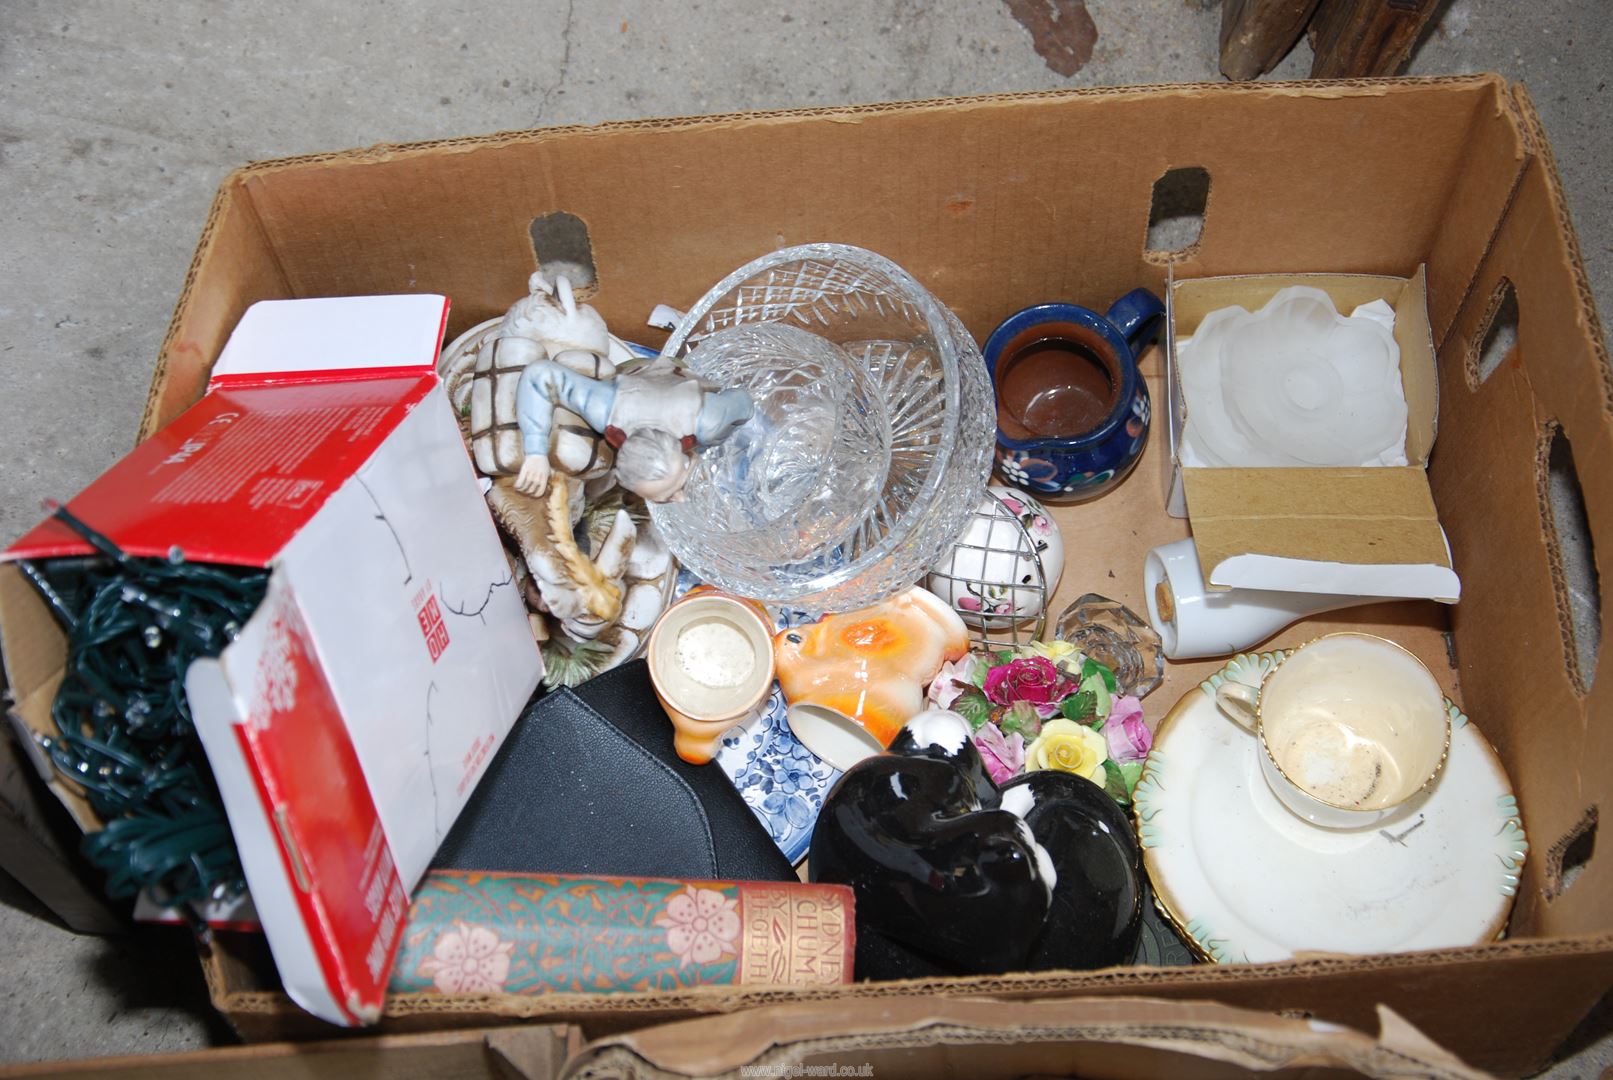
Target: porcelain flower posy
(1056,652)
(953,677)
(1043,706)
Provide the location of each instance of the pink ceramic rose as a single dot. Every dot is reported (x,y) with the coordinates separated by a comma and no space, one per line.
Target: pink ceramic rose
(1002,755)
(1128,737)
(1031,679)
(953,678)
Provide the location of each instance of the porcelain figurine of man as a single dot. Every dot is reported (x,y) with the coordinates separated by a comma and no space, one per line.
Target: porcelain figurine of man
(653,421)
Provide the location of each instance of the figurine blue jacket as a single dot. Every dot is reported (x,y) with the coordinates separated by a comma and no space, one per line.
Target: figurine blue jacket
(669,414)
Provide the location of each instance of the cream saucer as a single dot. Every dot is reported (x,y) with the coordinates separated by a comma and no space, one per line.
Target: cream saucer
(1246,880)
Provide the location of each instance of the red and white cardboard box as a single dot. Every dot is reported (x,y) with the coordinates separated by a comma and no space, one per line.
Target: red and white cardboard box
(350,719)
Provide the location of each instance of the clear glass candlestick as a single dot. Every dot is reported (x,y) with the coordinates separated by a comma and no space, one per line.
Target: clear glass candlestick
(1112,634)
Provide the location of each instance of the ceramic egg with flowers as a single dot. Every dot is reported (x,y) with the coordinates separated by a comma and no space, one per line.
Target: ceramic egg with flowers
(1006,565)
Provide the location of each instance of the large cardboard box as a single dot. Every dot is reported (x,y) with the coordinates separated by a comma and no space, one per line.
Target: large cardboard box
(995,203)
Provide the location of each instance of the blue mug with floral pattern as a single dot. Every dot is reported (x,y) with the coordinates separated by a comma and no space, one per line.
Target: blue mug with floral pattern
(1072,409)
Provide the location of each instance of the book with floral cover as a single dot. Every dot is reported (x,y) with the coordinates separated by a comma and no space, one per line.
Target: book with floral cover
(480,933)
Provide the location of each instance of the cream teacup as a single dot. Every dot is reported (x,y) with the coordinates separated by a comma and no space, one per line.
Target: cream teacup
(1351,726)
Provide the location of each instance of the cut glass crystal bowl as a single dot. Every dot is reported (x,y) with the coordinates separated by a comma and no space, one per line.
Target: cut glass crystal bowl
(872,439)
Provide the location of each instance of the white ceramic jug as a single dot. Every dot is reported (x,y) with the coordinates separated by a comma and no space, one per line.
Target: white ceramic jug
(1193,621)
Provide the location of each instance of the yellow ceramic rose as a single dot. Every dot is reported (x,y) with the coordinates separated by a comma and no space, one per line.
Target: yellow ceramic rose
(1069,747)
(1055,651)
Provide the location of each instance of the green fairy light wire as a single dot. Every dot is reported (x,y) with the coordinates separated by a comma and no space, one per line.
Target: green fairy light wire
(124,732)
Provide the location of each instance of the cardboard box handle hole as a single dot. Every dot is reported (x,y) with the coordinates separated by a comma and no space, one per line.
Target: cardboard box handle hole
(1176,214)
(561,246)
(1499,337)
(1570,855)
(1572,555)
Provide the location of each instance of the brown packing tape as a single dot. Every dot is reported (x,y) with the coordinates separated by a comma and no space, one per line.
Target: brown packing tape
(1116,1037)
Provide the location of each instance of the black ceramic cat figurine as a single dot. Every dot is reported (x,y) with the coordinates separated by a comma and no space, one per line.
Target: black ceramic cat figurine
(952,873)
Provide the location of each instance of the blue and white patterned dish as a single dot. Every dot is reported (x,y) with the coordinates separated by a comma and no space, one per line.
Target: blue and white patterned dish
(1248,881)
(780,779)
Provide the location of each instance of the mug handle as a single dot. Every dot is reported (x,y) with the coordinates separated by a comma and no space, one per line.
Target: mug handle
(1138,316)
(1238,701)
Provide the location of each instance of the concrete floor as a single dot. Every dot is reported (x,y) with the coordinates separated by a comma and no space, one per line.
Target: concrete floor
(119,119)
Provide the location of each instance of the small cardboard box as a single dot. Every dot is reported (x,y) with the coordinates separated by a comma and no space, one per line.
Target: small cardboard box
(1358,531)
(351,716)
(1376,177)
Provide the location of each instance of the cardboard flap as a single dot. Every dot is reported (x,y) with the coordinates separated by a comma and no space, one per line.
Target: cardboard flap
(235,477)
(304,393)
(1362,532)
(326,337)
(1419,370)
(1121,1037)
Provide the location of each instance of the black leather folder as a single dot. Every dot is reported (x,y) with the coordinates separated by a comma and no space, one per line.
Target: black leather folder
(588,783)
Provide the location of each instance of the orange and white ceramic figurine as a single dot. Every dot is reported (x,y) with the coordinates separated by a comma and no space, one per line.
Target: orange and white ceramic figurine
(853,679)
(711,662)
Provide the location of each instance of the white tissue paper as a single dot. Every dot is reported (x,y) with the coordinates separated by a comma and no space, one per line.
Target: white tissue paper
(1294,384)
